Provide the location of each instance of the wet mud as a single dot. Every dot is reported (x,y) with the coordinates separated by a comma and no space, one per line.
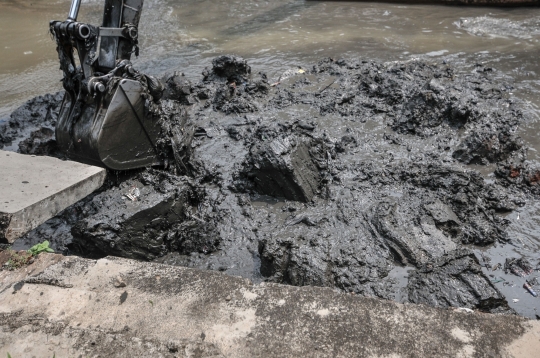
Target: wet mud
(30,128)
(335,174)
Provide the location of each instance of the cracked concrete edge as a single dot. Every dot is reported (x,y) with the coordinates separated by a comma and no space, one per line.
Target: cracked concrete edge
(71,306)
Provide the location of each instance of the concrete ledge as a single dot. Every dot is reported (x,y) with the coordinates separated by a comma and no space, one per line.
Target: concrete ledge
(73,307)
(34,189)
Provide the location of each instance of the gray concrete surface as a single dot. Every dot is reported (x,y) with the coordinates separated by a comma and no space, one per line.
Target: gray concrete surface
(73,307)
(33,189)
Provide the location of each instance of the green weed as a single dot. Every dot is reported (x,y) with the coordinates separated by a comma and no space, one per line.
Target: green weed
(39,248)
(18,259)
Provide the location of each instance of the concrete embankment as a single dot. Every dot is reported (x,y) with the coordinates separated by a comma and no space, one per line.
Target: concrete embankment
(34,189)
(71,307)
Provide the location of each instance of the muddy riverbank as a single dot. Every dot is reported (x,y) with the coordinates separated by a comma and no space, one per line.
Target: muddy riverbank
(385,180)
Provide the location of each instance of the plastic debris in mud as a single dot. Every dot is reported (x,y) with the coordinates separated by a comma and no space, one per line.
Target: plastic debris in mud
(133,194)
(486,260)
(287,74)
(519,267)
(528,287)
(515,300)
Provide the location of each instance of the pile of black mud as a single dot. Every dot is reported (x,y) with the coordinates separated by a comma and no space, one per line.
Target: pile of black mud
(30,129)
(335,175)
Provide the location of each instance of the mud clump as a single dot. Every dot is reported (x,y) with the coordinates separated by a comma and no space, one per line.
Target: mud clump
(179,88)
(174,144)
(486,147)
(40,142)
(231,67)
(237,93)
(5,220)
(519,177)
(333,176)
(455,281)
(415,244)
(143,218)
(519,267)
(283,168)
(305,252)
(34,122)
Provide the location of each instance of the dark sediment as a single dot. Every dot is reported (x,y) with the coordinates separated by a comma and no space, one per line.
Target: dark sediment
(332,176)
(459,283)
(30,128)
(143,218)
(283,168)
(41,142)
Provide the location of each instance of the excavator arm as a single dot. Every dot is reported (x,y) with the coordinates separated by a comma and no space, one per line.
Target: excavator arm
(106,117)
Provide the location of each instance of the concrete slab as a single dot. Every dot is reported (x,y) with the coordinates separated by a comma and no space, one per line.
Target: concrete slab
(33,189)
(72,307)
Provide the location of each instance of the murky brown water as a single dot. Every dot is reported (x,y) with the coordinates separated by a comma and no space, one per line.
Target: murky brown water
(275,35)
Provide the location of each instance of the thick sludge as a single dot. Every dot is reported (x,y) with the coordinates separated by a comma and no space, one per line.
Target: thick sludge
(331,176)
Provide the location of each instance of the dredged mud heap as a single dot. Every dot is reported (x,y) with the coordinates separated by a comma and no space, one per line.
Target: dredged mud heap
(332,175)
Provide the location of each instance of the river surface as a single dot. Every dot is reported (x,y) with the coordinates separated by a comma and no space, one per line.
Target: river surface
(279,34)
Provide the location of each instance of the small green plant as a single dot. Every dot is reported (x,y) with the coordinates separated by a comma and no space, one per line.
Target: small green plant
(18,259)
(39,248)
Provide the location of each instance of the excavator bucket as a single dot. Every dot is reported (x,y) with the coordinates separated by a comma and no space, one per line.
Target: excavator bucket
(113,132)
(106,115)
